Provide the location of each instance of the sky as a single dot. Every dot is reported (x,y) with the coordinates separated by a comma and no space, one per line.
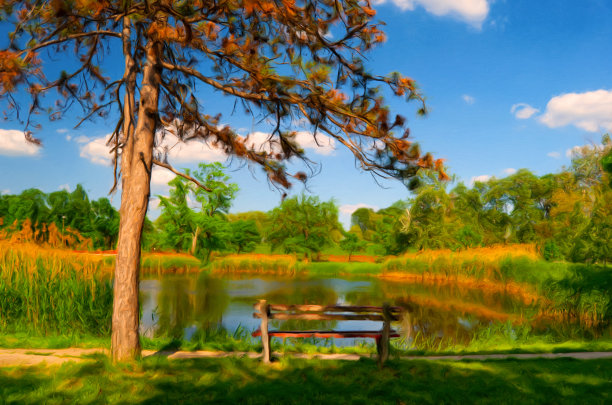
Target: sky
(509,85)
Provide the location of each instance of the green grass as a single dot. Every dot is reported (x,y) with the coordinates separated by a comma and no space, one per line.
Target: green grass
(157,380)
(42,296)
(336,268)
(168,263)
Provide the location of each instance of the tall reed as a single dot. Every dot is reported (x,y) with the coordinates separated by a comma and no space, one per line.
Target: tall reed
(257,263)
(43,293)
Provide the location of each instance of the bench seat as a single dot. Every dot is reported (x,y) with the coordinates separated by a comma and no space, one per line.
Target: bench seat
(326,334)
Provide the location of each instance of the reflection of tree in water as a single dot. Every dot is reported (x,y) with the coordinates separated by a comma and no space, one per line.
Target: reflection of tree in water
(300,295)
(173,308)
(211,301)
(178,307)
(424,325)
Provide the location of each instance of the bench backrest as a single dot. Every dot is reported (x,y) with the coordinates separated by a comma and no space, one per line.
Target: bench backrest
(326,312)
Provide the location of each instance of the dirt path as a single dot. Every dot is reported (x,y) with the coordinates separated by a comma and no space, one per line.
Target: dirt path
(30,357)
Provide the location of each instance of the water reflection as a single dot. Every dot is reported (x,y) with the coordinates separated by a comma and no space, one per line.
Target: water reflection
(186,306)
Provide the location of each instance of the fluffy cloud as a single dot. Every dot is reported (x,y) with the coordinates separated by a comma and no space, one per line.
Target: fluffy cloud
(509,171)
(523,111)
(322,145)
(13,143)
(483,178)
(5,191)
(554,155)
(468,99)
(473,12)
(196,151)
(590,111)
(188,152)
(161,176)
(64,187)
(96,151)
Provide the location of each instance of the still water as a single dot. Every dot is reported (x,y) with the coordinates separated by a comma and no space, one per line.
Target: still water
(179,306)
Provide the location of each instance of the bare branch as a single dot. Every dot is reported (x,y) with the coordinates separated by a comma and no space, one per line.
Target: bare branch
(71,37)
(183,175)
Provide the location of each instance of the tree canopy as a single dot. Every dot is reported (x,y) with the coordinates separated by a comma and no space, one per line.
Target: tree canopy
(272,57)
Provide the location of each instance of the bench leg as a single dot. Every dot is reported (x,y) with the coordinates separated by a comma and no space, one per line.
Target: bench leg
(378,347)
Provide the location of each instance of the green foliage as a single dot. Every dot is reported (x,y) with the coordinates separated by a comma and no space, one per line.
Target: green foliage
(50,299)
(302,225)
(351,244)
(197,227)
(244,236)
(97,220)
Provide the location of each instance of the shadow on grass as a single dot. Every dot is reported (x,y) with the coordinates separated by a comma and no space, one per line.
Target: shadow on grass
(236,380)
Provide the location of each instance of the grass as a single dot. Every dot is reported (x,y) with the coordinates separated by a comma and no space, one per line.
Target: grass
(242,380)
(256,263)
(48,294)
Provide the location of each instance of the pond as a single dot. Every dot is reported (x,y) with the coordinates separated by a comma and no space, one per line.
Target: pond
(179,306)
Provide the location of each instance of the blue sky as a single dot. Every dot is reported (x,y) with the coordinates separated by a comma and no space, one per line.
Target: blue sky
(509,84)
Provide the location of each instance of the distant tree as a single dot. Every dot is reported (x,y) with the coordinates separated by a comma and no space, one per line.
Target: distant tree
(193,217)
(272,57)
(260,219)
(302,225)
(244,235)
(351,244)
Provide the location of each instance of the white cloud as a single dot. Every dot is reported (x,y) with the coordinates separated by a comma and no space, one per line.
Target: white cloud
(161,176)
(97,151)
(154,203)
(468,99)
(68,138)
(186,152)
(5,191)
(473,12)
(323,145)
(483,178)
(61,131)
(523,111)
(196,151)
(64,187)
(13,143)
(554,155)
(509,171)
(590,111)
(348,209)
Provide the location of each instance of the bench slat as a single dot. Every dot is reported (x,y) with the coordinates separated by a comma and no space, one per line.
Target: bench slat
(327,308)
(327,334)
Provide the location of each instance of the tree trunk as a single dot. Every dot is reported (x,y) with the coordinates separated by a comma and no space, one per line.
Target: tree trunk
(194,240)
(136,161)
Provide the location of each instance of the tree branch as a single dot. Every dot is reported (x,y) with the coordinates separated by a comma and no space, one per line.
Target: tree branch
(70,37)
(183,175)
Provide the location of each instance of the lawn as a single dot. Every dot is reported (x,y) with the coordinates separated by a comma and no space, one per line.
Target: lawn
(243,380)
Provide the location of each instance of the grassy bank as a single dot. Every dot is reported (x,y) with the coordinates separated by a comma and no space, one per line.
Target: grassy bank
(242,380)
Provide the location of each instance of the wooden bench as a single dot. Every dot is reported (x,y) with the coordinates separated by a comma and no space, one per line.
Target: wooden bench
(385,314)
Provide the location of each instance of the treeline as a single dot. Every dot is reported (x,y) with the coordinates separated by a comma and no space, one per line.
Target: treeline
(568,215)
(60,218)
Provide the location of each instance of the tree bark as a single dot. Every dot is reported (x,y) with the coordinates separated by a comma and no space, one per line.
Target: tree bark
(194,240)
(136,162)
